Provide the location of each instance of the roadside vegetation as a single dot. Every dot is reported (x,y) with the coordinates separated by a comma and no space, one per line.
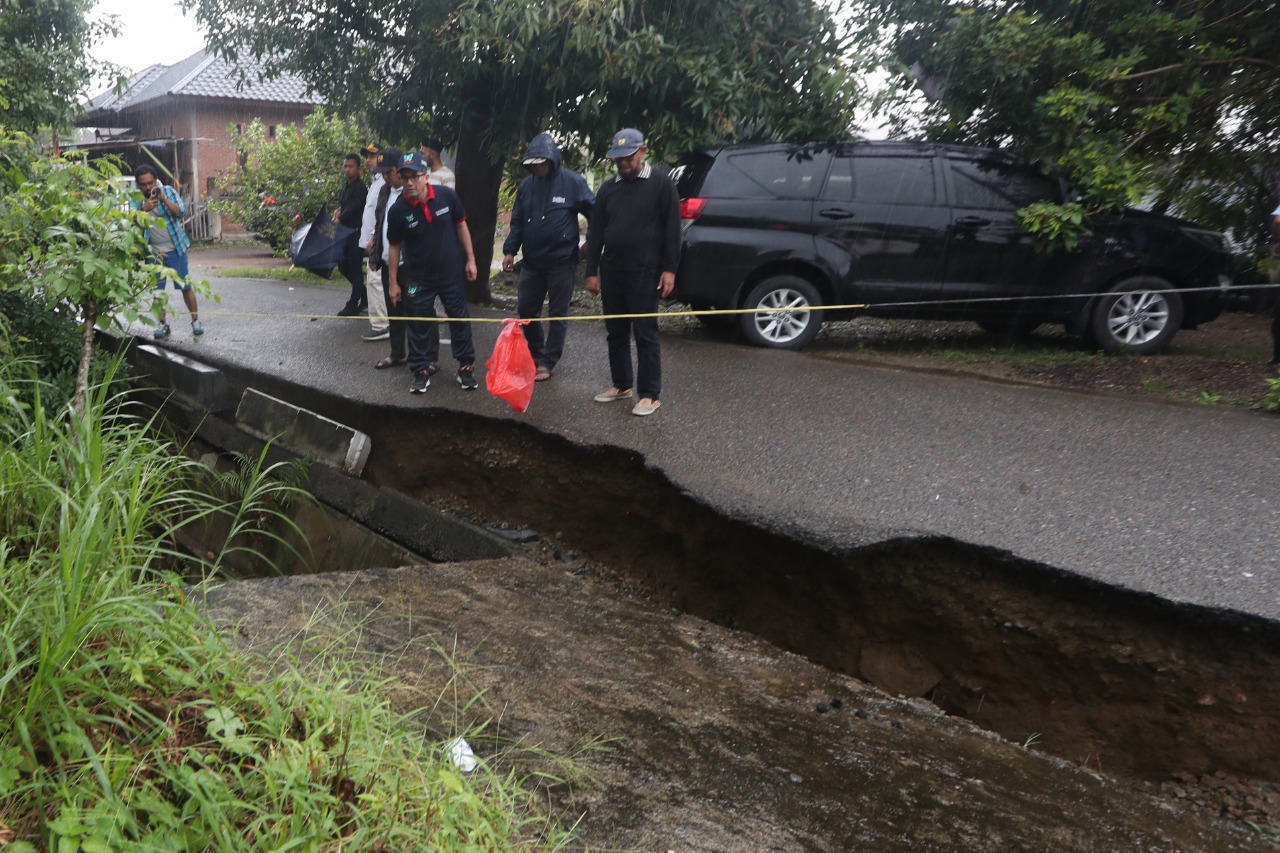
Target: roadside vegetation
(286,175)
(279,274)
(126,720)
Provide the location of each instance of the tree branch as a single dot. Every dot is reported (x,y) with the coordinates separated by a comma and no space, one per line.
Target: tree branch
(1243,60)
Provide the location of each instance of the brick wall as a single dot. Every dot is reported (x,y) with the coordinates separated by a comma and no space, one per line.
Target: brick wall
(207,120)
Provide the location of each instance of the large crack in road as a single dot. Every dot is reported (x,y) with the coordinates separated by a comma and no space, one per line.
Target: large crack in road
(1098,675)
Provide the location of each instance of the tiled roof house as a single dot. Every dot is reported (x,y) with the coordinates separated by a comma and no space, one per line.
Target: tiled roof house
(177,116)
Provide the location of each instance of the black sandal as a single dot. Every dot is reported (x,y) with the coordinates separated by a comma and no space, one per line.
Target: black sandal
(389,362)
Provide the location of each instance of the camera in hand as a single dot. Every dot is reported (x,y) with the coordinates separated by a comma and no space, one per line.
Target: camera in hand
(155,192)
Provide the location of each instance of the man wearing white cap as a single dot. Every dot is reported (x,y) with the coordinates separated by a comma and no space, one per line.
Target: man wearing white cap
(633,246)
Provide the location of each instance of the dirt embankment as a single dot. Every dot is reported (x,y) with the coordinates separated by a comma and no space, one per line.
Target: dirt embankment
(628,627)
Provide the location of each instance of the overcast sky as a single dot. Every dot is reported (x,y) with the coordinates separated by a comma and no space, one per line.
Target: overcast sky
(150,33)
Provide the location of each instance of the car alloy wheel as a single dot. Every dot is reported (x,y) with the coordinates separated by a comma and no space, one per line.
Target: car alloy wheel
(1139,315)
(787,316)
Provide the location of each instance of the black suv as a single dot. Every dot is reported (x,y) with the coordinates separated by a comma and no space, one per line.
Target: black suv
(805,233)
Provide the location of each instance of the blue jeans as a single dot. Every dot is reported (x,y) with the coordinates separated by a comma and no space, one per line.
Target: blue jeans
(555,285)
(418,299)
(633,292)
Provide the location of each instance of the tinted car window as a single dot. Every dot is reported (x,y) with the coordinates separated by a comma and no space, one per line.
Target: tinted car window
(997,185)
(690,174)
(795,174)
(840,182)
(891,179)
(895,180)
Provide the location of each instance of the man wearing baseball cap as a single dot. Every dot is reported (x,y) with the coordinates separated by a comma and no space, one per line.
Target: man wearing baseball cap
(389,165)
(633,246)
(428,235)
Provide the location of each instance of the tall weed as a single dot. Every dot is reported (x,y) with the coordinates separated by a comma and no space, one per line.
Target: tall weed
(127,722)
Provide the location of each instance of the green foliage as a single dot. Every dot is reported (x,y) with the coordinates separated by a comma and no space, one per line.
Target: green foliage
(1271,400)
(696,72)
(126,721)
(300,169)
(45,62)
(1055,226)
(69,240)
(43,335)
(488,75)
(1171,103)
(276,274)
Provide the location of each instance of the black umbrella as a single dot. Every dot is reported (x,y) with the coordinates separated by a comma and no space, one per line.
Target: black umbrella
(319,246)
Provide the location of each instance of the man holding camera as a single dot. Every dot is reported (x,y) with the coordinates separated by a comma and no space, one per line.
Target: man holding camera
(169,242)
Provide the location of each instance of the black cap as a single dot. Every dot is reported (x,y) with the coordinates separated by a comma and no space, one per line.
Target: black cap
(388,159)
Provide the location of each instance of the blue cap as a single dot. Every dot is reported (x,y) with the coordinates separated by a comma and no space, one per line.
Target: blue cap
(626,142)
(413,162)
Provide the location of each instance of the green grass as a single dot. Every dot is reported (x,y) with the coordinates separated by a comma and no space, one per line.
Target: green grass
(128,723)
(280,274)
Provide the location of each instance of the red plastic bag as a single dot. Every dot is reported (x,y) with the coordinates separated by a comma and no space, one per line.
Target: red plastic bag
(510,370)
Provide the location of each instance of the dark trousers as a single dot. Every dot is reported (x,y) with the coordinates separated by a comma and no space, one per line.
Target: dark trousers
(1275,333)
(352,268)
(633,292)
(555,285)
(424,344)
(396,328)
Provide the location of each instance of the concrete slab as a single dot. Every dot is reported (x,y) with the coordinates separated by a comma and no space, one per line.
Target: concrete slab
(197,384)
(304,432)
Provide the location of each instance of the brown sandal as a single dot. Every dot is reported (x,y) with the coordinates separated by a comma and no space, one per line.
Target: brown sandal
(543,374)
(389,362)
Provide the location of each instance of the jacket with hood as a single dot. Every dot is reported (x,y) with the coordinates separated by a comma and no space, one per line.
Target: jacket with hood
(544,220)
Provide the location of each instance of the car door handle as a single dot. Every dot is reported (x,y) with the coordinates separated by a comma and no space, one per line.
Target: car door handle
(972,221)
(836,213)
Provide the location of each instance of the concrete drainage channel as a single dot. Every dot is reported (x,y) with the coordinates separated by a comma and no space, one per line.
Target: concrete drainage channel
(1106,677)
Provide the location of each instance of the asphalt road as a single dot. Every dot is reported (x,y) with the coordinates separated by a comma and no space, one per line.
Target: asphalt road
(1181,501)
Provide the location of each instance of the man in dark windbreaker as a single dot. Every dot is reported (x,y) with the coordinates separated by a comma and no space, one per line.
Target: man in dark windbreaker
(544,221)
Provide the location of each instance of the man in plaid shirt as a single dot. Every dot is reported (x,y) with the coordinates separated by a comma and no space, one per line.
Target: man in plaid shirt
(169,242)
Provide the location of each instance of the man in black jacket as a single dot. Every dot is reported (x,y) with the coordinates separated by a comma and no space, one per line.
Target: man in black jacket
(349,213)
(634,241)
(544,222)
